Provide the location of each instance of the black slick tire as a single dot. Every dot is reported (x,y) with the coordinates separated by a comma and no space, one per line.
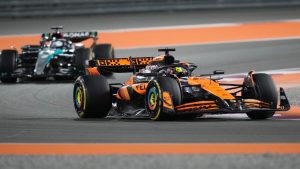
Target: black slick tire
(104,51)
(91,96)
(266,91)
(8,65)
(154,96)
(81,57)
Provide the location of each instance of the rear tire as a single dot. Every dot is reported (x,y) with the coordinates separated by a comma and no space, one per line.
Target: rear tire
(8,65)
(91,96)
(81,57)
(154,96)
(266,91)
(104,51)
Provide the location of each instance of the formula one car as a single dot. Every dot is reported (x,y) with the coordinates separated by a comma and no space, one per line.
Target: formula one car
(165,89)
(59,55)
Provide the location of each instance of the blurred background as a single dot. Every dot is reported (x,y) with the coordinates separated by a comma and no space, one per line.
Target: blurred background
(33,8)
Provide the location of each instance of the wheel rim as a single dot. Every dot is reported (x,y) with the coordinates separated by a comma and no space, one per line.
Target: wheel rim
(152,98)
(79,100)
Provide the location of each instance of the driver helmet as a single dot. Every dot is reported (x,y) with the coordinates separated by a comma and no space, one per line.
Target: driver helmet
(56,35)
(57,44)
(179,72)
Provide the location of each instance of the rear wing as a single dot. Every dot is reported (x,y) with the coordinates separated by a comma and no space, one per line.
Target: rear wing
(72,36)
(121,64)
(79,36)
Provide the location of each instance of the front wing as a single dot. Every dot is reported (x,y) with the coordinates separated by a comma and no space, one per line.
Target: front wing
(232,106)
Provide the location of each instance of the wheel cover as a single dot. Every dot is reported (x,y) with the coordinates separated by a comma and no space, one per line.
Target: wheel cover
(79,97)
(152,98)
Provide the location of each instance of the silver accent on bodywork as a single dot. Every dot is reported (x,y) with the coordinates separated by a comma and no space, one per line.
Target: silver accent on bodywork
(42,61)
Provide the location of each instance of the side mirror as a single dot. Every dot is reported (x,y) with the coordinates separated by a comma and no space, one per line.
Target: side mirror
(219,72)
(192,66)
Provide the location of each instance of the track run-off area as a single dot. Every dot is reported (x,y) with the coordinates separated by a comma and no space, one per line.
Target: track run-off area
(182,35)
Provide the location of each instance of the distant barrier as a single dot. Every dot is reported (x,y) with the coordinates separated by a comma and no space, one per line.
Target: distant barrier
(33,8)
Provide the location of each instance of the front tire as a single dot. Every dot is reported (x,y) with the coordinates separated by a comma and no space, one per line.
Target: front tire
(266,91)
(8,65)
(154,96)
(91,96)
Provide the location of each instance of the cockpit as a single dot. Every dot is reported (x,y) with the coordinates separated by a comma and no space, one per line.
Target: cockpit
(177,69)
(60,44)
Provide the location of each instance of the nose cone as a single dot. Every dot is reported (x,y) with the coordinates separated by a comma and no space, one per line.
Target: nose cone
(211,87)
(43,59)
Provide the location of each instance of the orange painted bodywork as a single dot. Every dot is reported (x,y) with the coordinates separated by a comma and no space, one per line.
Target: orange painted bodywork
(193,103)
(113,62)
(129,81)
(210,86)
(255,101)
(199,105)
(124,61)
(158,58)
(140,88)
(92,71)
(167,101)
(123,94)
(252,103)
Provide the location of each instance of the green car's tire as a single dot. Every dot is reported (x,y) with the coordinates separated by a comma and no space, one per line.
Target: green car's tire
(104,51)
(8,65)
(81,57)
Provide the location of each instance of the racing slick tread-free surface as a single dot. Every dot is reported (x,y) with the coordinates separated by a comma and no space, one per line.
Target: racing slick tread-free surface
(81,56)
(267,92)
(162,83)
(8,64)
(97,98)
(104,51)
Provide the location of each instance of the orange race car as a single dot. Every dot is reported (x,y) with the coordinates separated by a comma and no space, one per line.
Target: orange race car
(163,88)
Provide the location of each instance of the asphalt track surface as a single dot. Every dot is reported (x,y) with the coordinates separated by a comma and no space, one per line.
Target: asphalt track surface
(38,112)
(43,111)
